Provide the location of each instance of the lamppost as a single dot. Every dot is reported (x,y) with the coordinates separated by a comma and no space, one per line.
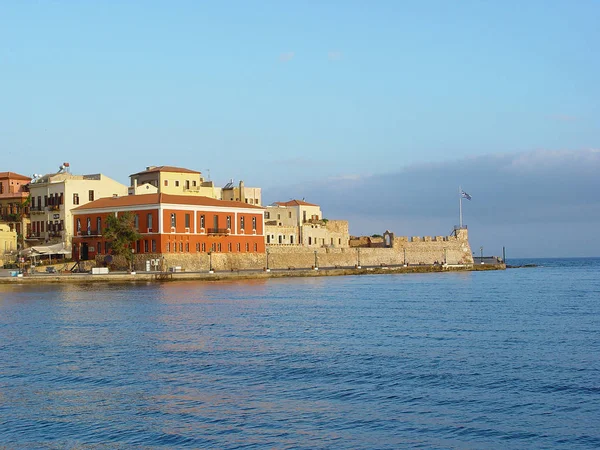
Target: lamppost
(405,257)
(316,262)
(445,256)
(132,269)
(267,269)
(210,266)
(481,258)
(358,258)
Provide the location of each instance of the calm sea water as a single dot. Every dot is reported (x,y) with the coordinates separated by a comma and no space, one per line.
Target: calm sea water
(458,360)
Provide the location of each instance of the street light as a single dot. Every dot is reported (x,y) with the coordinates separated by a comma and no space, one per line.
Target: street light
(210,266)
(481,258)
(358,258)
(267,269)
(316,262)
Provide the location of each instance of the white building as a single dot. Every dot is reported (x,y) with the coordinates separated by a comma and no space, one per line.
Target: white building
(54,195)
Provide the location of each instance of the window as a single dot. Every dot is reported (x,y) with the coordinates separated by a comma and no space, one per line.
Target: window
(289,215)
(212,248)
(42,223)
(268,238)
(39,202)
(91,195)
(280,239)
(176,183)
(187,220)
(340,241)
(216,222)
(203,247)
(60,199)
(198,247)
(254,223)
(1,188)
(76,199)
(138,246)
(242,222)
(239,247)
(149,220)
(267,215)
(173,220)
(45,200)
(78,225)
(255,247)
(89,225)
(219,247)
(194,183)
(331,241)
(181,246)
(153,246)
(309,240)
(136,221)
(99,225)
(168,246)
(247,247)
(166,182)
(246,200)
(278,216)
(229,222)
(291,238)
(187,184)
(32,200)
(187,247)
(202,221)
(229,247)
(146,246)
(99,247)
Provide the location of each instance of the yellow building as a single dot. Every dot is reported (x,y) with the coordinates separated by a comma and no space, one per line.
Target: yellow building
(8,244)
(301,223)
(181,181)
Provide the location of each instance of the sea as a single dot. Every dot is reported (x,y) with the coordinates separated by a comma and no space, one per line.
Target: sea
(472,360)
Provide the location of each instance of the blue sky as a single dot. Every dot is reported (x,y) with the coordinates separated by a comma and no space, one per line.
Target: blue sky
(286,94)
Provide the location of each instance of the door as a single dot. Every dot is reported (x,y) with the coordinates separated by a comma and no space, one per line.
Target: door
(84,251)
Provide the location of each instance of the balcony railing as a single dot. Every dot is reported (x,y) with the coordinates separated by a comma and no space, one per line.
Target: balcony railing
(89,233)
(218,230)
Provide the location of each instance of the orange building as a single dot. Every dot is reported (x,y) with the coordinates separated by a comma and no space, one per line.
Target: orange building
(14,208)
(172,224)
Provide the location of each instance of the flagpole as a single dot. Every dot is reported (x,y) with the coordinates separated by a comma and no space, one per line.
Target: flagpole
(459,207)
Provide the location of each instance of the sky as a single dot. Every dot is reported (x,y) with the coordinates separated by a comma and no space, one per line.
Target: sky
(377,110)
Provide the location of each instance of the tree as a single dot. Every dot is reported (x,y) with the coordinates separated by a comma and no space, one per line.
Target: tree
(121,233)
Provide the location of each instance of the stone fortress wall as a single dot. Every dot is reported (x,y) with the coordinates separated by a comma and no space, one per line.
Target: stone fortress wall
(451,250)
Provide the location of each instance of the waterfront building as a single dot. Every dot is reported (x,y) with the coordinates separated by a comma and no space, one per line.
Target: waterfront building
(53,197)
(14,202)
(181,181)
(8,244)
(300,223)
(172,224)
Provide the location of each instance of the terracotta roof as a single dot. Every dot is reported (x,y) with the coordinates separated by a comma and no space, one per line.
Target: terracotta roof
(154,199)
(164,169)
(295,203)
(14,175)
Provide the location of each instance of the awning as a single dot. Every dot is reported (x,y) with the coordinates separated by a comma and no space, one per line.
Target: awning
(56,249)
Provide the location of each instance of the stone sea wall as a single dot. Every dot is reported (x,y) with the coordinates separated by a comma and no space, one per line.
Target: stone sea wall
(402,250)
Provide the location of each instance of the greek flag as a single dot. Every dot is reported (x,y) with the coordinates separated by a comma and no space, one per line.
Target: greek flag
(465,195)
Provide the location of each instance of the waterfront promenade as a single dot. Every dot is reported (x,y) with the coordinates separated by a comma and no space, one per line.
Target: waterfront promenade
(116,277)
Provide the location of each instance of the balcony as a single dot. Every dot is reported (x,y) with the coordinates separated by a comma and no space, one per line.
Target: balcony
(11,217)
(219,231)
(89,233)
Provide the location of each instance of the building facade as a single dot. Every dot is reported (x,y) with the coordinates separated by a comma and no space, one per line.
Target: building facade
(8,244)
(14,202)
(301,223)
(181,181)
(172,224)
(54,196)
